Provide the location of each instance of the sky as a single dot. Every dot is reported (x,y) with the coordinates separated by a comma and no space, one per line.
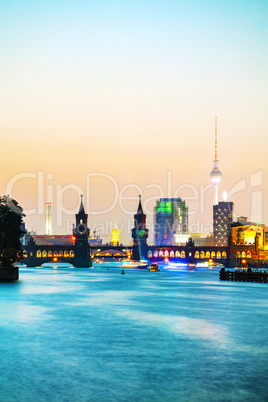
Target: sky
(112,99)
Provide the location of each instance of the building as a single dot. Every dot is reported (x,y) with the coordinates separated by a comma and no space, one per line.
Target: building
(181,239)
(48,222)
(222,219)
(215,174)
(115,237)
(247,241)
(171,220)
(81,234)
(245,233)
(139,235)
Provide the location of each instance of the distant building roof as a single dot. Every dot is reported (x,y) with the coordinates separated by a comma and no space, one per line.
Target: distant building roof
(53,240)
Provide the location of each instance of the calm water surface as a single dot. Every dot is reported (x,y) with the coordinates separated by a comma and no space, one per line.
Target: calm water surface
(97,335)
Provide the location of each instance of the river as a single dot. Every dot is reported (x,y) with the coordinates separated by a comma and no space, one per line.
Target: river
(97,335)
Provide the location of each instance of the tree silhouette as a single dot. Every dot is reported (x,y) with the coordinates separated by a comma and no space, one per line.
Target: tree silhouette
(11,215)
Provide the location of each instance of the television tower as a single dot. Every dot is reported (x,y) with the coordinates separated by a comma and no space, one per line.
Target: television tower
(215,174)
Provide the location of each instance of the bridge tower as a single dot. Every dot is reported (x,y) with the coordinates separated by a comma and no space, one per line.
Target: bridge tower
(139,235)
(81,232)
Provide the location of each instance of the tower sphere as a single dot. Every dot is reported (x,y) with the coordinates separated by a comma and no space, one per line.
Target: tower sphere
(215,176)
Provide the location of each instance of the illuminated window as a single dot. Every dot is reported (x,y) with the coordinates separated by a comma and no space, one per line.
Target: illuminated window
(207,254)
(218,254)
(155,253)
(55,253)
(24,254)
(238,254)
(71,253)
(196,254)
(183,254)
(213,254)
(60,253)
(66,254)
(166,253)
(150,254)
(243,255)
(202,254)
(49,253)
(248,254)
(44,254)
(224,255)
(171,254)
(177,254)
(38,254)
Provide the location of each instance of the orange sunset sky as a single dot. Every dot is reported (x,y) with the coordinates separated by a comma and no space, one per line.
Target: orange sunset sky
(116,98)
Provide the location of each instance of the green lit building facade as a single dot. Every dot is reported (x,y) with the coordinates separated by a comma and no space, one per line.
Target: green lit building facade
(170,218)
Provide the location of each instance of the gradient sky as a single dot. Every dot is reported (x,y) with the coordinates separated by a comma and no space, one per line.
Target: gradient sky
(130,89)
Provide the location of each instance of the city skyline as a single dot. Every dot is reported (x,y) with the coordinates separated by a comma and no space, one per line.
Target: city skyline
(130,91)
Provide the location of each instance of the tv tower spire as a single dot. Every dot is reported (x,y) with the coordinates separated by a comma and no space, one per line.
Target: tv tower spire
(216,139)
(215,174)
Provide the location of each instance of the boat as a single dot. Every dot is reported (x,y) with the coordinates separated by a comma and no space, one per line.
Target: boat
(57,264)
(141,264)
(154,267)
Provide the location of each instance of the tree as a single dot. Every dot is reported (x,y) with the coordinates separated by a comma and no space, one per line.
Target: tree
(11,215)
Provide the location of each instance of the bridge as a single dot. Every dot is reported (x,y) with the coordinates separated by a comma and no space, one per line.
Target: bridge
(110,251)
(189,253)
(38,254)
(75,249)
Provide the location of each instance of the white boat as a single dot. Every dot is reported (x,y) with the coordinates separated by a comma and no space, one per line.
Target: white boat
(57,265)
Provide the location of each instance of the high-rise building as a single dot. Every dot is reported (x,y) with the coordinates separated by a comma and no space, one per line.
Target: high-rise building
(170,218)
(215,174)
(48,222)
(222,218)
